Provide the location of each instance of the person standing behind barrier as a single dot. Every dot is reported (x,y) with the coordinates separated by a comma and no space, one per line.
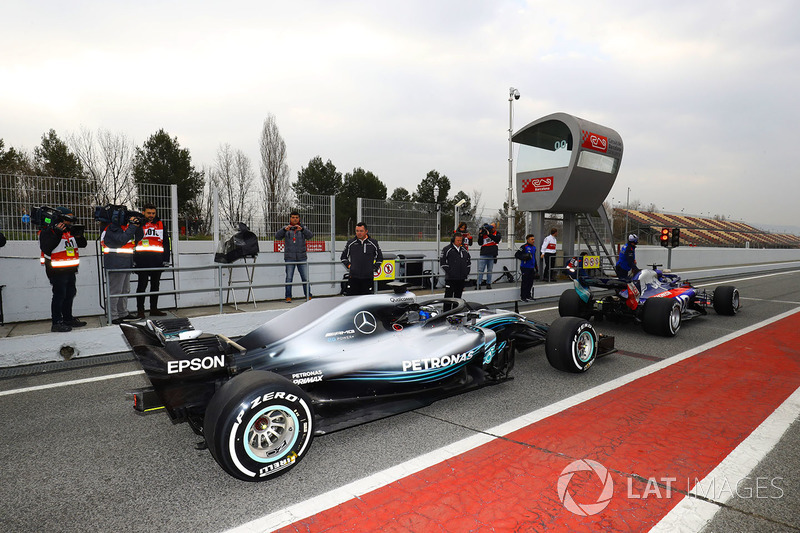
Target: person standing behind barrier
(61,259)
(462,229)
(151,251)
(362,257)
(294,237)
(488,238)
(527,257)
(118,246)
(549,255)
(456,263)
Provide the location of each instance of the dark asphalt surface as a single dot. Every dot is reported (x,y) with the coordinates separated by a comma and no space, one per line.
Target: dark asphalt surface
(77,458)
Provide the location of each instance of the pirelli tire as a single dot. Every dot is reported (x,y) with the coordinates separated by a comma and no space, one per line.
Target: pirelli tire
(258,426)
(662,316)
(726,300)
(570,304)
(571,344)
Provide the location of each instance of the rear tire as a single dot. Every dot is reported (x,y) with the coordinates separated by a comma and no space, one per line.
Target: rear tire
(258,426)
(570,304)
(726,300)
(662,316)
(571,344)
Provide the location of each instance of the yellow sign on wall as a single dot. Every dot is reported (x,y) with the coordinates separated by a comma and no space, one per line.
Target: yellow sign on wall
(387,270)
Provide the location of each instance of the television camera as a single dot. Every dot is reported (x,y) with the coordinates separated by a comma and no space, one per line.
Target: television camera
(118,214)
(48,217)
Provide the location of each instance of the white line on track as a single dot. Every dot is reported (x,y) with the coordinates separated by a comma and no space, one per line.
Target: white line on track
(73,382)
(749,278)
(362,486)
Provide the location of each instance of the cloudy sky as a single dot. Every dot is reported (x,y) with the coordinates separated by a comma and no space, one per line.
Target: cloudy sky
(704,94)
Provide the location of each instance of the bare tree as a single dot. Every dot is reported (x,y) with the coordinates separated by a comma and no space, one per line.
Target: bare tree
(276,189)
(232,175)
(108,161)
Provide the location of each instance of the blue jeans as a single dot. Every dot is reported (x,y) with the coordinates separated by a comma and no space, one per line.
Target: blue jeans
(302,268)
(487,264)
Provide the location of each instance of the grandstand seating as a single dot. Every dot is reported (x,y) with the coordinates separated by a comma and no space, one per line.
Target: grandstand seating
(698,231)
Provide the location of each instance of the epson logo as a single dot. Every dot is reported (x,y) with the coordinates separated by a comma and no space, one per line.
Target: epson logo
(206,363)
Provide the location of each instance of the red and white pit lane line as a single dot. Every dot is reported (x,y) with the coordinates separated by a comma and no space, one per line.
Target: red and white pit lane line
(654,449)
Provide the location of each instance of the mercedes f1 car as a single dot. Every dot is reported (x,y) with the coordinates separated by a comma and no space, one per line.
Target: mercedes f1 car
(657,299)
(333,363)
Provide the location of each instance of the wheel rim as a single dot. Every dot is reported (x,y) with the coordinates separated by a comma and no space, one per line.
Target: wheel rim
(735,301)
(675,318)
(585,346)
(271,433)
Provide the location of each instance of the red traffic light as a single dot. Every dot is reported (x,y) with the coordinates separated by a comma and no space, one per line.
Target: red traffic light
(664,237)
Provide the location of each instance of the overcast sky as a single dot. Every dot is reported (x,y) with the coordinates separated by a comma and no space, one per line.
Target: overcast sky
(704,94)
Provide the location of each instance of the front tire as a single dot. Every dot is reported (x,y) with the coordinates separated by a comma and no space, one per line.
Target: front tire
(726,300)
(571,344)
(662,316)
(258,426)
(570,304)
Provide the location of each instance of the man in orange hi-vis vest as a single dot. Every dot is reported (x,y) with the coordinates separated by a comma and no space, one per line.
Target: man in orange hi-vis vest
(59,249)
(152,251)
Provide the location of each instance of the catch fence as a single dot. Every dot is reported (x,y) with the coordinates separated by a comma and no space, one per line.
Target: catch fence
(19,195)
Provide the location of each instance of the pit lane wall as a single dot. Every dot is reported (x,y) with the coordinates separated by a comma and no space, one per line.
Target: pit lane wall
(27,293)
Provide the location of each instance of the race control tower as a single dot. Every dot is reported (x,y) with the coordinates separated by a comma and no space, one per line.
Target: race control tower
(567,165)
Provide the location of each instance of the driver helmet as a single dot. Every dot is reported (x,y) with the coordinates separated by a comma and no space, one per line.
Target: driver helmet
(633,238)
(424,315)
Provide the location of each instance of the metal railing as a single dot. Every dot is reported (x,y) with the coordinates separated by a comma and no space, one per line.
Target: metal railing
(429,280)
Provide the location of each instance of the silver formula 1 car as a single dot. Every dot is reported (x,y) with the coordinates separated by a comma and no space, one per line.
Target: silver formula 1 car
(333,363)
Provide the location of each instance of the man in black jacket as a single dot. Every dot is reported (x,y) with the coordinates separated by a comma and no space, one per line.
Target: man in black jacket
(362,257)
(151,251)
(456,262)
(488,238)
(59,249)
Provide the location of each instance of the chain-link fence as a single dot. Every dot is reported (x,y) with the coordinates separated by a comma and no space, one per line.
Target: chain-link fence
(399,221)
(315,211)
(20,194)
(415,221)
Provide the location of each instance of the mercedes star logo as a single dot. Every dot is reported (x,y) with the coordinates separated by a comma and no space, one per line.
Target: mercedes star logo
(365,322)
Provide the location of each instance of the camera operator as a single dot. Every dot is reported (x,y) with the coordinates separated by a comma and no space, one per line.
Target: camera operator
(294,237)
(488,238)
(118,243)
(59,248)
(152,251)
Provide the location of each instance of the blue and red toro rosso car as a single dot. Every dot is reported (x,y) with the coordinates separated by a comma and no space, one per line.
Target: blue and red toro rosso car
(660,301)
(333,363)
